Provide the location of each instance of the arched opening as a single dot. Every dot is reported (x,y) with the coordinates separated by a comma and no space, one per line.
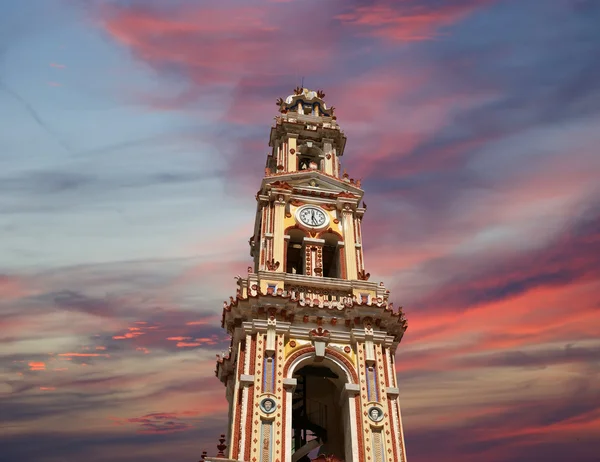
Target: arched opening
(331,255)
(319,419)
(309,157)
(294,259)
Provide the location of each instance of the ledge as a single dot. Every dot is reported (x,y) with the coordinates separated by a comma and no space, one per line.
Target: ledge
(246,379)
(392,392)
(319,282)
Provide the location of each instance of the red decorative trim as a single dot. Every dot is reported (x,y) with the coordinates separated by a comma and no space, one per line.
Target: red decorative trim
(330,231)
(349,195)
(385,367)
(249,412)
(252,355)
(328,351)
(235,446)
(281,185)
(284,434)
(295,227)
(272,219)
(359,430)
(391,422)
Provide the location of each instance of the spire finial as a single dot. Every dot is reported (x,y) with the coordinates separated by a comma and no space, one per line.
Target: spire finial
(221,446)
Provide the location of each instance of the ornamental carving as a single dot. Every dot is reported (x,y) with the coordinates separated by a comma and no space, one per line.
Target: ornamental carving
(310,292)
(363,276)
(375,414)
(281,185)
(272,265)
(347,194)
(320,333)
(268,405)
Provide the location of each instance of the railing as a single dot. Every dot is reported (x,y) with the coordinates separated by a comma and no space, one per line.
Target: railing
(322,295)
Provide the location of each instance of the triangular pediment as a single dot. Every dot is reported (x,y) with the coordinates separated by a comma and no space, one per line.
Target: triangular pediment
(311,181)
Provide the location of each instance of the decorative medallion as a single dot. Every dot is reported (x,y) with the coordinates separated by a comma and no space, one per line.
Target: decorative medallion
(375,414)
(268,406)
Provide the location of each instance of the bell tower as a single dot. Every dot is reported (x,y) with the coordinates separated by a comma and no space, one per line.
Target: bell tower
(310,371)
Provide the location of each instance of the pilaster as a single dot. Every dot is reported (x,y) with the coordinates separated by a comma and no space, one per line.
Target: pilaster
(329,160)
(349,243)
(292,154)
(278,231)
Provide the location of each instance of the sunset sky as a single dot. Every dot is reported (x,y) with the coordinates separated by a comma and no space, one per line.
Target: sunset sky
(134,136)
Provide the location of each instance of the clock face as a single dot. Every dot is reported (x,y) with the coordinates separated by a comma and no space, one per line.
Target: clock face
(313,217)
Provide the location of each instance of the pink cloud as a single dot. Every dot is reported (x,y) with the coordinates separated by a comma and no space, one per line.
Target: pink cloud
(187,344)
(408,21)
(133,333)
(197,323)
(217,49)
(37,366)
(59,66)
(12,287)
(85,355)
(164,422)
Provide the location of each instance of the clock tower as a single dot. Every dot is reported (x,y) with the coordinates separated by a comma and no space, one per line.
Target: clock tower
(310,371)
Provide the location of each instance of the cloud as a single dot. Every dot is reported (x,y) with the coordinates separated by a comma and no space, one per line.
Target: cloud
(12,287)
(37,366)
(570,257)
(409,21)
(160,422)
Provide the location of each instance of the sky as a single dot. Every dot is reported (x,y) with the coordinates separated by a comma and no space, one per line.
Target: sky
(134,136)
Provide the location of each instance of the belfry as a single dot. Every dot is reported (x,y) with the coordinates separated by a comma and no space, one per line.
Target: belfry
(310,371)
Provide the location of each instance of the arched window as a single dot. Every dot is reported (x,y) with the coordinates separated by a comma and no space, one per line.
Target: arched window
(320,417)
(309,157)
(294,259)
(331,255)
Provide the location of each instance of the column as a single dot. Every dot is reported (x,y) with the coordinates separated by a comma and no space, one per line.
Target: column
(313,263)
